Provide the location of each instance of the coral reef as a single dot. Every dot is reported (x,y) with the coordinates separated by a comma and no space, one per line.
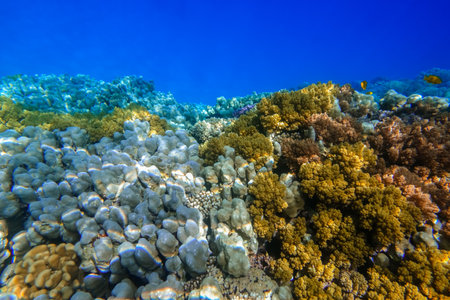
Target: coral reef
(378,215)
(12,116)
(226,108)
(121,206)
(415,104)
(290,110)
(255,147)
(296,152)
(50,270)
(267,205)
(334,131)
(204,130)
(422,274)
(412,188)
(204,201)
(420,144)
(309,194)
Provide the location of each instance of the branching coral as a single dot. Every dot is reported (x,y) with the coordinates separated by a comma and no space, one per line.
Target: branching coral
(353,284)
(254,147)
(290,110)
(422,274)
(309,288)
(296,152)
(46,270)
(382,285)
(335,131)
(12,116)
(375,215)
(421,144)
(412,188)
(327,224)
(268,203)
(345,95)
(428,268)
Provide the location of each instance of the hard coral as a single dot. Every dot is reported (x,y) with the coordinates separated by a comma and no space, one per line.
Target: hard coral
(46,270)
(12,116)
(423,273)
(290,110)
(421,144)
(412,188)
(384,286)
(267,205)
(254,148)
(335,131)
(373,215)
(427,268)
(296,152)
(209,128)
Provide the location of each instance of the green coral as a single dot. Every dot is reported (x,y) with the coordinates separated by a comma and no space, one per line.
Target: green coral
(13,116)
(290,110)
(267,205)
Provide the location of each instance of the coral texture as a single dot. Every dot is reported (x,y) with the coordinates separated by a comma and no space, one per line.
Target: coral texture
(290,110)
(269,202)
(46,270)
(13,116)
(423,143)
(375,215)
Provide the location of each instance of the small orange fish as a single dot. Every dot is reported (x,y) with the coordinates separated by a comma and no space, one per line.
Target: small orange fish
(432,79)
(369,93)
(364,85)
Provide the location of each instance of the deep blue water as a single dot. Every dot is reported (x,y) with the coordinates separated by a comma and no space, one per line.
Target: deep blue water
(200,50)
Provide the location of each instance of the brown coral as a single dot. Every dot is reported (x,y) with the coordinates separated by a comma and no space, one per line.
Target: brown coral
(412,188)
(345,96)
(297,152)
(335,131)
(421,144)
(46,270)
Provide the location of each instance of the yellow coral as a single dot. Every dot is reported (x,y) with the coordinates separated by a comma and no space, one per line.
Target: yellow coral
(309,288)
(290,110)
(281,269)
(268,202)
(352,157)
(428,268)
(46,270)
(328,223)
(383,287)
(254,148)
(377,216)
(12,116)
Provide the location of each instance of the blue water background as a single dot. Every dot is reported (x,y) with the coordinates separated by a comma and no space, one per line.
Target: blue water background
(199,50)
